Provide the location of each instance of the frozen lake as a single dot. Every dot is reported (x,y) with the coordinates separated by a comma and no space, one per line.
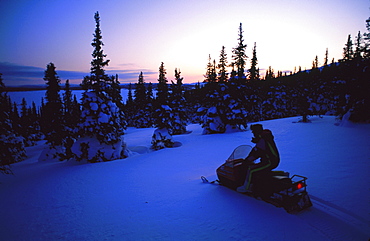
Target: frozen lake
(37,95)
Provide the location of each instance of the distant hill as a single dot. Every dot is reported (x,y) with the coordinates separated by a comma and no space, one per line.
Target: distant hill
(76,87)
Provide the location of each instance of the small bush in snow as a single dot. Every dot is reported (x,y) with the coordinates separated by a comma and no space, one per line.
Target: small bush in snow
(161,139)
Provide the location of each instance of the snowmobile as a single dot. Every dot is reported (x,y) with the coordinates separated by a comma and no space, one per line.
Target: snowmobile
(275,187)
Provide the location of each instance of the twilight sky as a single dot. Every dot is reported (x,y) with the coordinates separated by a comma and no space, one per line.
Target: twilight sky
(139,35)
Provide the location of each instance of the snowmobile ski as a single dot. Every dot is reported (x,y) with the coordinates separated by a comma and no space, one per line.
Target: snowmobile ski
(205,180)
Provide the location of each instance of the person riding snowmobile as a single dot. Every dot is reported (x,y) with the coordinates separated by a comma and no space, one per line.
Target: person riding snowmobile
(265,149)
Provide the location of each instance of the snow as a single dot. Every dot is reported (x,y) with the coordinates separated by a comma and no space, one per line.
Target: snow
(94,148)
(158,195)
(94,106)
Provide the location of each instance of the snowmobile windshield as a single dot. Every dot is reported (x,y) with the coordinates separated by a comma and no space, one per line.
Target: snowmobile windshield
(240,152)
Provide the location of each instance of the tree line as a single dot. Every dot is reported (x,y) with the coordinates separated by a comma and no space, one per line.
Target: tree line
(224,101)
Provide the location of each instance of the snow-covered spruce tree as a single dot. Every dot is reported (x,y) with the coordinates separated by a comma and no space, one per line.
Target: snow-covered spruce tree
(162,114)
(236,106)
(52,116)
(212,110)
(11,145)
(101,126)
(114,91)
(177,104)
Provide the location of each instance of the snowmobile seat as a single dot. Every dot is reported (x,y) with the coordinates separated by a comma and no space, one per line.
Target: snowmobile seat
(279,175)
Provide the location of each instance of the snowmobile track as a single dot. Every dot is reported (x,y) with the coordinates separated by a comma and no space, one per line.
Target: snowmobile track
(336,222)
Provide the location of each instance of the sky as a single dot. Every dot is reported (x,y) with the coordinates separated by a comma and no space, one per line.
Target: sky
(139,35)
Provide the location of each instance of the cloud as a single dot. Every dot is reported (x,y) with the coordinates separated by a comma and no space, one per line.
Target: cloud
(16,75)
(132,75)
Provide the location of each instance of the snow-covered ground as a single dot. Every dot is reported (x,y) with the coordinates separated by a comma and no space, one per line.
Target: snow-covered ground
(159,195)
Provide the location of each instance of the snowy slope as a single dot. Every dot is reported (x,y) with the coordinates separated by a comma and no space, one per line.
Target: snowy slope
(159,195)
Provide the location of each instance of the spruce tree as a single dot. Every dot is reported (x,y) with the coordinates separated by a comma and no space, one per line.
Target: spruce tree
(98,62)
(149,105)
(348,49)
(271,75)
(52,113)
(254,71)
(101,126)
(11,145)
(367,40)
(162,87)
(27,124)
(212,110)
(359,48)
(239,56)
(222,72)
(140,90)
(178,115)
(211,75)
(162,113)
(326,57)
(162,110)
(315,63)
(71,111)
(141,119)
(130,109)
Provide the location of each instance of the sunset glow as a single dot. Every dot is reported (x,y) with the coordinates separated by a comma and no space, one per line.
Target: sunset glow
(139,35)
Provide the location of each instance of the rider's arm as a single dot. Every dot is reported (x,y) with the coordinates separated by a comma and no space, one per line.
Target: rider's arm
(257,151)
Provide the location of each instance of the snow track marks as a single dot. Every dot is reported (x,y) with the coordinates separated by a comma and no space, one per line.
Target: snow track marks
(335,222)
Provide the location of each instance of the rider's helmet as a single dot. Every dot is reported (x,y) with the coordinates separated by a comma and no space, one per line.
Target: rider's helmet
(257,129)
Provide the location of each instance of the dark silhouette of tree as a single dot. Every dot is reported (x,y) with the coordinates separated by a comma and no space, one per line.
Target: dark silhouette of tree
(326,57)
(315,63)
(177,104)
(162,87)
(130,107)
(162,111)
(270,73)
(239,56)
(359,48)
(367,40)
(140,91)
(348,49)
(222,72)
(254,71)
(52,126)
(71,114)
(11,145)
(141,116)
(150,104)
(211,75)
(98,62)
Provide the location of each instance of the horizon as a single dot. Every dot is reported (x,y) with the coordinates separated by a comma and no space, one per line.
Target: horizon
(139,35)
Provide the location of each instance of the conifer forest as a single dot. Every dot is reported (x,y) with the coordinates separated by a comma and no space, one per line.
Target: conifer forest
(233,94)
